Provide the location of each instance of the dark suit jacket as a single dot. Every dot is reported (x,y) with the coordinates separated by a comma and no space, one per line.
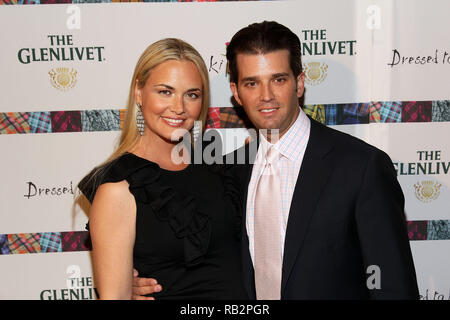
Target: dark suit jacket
(347,213)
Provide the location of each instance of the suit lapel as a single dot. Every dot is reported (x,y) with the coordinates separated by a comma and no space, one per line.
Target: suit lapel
(314,172)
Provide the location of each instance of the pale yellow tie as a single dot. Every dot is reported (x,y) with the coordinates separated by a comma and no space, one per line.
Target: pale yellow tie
(267,231)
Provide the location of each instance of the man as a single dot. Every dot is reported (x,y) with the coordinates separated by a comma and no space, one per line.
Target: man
(324,211)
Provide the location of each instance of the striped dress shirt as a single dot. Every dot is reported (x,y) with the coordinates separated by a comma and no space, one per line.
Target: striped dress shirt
(291,147)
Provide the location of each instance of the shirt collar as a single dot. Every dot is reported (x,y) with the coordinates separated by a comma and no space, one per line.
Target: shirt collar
(292,144)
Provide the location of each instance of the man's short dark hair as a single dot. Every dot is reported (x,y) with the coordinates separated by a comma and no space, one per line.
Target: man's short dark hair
(261,38)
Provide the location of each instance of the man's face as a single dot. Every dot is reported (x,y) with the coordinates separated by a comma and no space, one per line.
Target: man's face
(268,90)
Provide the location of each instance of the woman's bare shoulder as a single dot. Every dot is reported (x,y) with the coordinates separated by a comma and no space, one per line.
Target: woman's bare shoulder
(113,189)
(114,196)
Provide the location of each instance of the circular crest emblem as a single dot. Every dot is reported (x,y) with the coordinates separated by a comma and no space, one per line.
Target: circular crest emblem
(427,191)
(63,78)
(315,72)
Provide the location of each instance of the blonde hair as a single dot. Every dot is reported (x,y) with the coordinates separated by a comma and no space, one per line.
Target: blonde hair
(155,54)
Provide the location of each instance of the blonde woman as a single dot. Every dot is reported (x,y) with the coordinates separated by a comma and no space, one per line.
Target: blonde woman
(175,222)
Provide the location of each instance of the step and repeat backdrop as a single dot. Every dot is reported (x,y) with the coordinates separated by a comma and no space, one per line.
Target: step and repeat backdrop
(376,69)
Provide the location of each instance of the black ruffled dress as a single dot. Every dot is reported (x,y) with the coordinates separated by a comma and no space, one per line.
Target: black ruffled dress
(187,226)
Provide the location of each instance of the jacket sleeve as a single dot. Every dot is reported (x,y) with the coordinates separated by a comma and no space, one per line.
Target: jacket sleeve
(382,232)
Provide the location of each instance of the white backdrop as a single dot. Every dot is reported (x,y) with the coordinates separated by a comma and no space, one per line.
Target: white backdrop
(59,117)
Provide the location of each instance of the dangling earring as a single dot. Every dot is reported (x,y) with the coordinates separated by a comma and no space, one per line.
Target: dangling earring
(196,129)
(140,120)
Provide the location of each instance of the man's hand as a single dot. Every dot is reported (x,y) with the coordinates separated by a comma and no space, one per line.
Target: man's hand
(143,286)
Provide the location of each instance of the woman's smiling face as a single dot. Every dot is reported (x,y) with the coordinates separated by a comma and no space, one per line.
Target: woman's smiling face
(171,98)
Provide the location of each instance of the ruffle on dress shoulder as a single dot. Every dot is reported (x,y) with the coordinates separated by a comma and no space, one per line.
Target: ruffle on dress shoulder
(187,220)
(114,171)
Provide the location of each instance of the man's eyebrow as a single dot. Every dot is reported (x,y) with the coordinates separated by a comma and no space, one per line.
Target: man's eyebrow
(282,74)
(249,79)
(275,75)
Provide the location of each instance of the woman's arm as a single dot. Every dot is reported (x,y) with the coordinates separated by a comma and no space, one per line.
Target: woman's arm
(112,227)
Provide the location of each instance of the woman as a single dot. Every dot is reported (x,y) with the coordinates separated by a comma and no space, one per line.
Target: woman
(169,220)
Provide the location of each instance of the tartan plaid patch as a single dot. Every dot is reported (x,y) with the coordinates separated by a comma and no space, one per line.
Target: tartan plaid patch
(76,241)
(20,1)
(374,112)
(53,1)
(122,117)
(213,118)
(438,230)
(354,113)
(331,114)
(231,117)
(4,247)
(97,1)
(24,243)
(315,111)
(391,111)
(40,122)
(14,122)
(416,111)
(351,113)
(100,120)
(66,121)
(417,230)
(50,242)
(440,111)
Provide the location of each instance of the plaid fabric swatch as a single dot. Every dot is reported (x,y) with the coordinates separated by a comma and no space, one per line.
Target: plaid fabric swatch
(24,243)
(76,241)
(440,111)
(92,1)
(122,117)
(40,122)
(354,113)
(20,1)
(55,1)
(438,230)
(14,122)
(417,230)
(416,111)
(66,121)
(374,112)
(213,118)
(331,114)
(390,111)
(152,0)
(100,120)
(4,247)
(50,242)
(231,117)
(315,111)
